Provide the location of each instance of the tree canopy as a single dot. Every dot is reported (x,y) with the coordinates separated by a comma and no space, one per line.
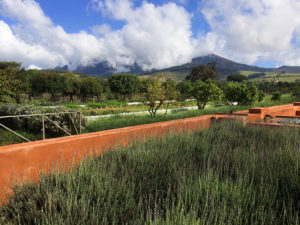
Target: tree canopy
(124,84)
(237,78)
(9,86)
(205,92)
(241,93)
(153,94)
(203,73)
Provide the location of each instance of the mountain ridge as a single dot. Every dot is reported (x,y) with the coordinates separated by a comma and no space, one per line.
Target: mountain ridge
(224,67)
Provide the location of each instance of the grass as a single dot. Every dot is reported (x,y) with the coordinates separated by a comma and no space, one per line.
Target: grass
(119,121)
(228,174)
(111,103)
(178,76)
(114,122)
(132,120)
(7,138)
(115,107)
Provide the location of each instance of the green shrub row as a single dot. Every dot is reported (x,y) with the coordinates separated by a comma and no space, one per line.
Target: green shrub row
(34,124)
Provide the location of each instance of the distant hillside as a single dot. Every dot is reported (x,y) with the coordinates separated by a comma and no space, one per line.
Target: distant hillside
(288,69)
(224,67)
(272,76)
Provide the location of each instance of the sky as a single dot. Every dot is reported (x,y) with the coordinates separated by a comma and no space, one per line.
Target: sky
(153,34)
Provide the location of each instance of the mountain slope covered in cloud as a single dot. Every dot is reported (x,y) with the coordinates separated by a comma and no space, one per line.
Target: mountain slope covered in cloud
(224,67)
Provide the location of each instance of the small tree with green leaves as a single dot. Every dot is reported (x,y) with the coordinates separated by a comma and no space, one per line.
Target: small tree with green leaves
(90,86)
(9,86)
(38,83)
(237,78)
(276,96)
(185,88)
(124,84)
(153,94)
(296,91)
(71,86)
(261,96)
(205,92)
(241,93)
(171,92)
(203,72)
(54,84)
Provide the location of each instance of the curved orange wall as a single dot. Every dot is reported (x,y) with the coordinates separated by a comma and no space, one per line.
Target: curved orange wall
(27,160)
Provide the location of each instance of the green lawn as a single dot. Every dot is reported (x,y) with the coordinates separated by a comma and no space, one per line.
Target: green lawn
(228,174)
(114,122)
(7,138)
(125,121)
(289,77)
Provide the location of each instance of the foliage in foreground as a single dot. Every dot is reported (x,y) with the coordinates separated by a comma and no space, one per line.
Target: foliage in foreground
(229,174)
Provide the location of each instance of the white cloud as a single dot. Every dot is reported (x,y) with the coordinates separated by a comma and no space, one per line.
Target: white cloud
(33,67)
(15,49)
(153,36)
(256,29)
(101,29)
(36,40)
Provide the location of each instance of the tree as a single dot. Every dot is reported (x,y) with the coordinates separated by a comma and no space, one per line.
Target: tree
(54,84)
(296,91)
(153,94)
(276,96)
(9,86)
(72,85)
(171,92)
(241,93)
(203,72)
(237,78)
(205,92)
(124,84)
(261,96)
(185,89)
(90,86)
(38,83)
(25,77)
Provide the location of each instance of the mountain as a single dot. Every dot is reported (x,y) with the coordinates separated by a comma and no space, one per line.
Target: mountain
(226,66)
(223,66)
(288,69)
(100,69)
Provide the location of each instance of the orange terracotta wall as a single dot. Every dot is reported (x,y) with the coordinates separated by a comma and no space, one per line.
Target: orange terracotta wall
(257,114)
(27,160)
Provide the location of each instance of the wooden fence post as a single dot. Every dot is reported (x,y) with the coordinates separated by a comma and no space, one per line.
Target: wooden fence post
(43,121)
(79,122)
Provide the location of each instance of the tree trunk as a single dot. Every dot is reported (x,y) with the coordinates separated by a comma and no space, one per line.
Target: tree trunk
(52,98)
(18,99)
(201,106)
(167,107)
(150,110)
(159,105)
